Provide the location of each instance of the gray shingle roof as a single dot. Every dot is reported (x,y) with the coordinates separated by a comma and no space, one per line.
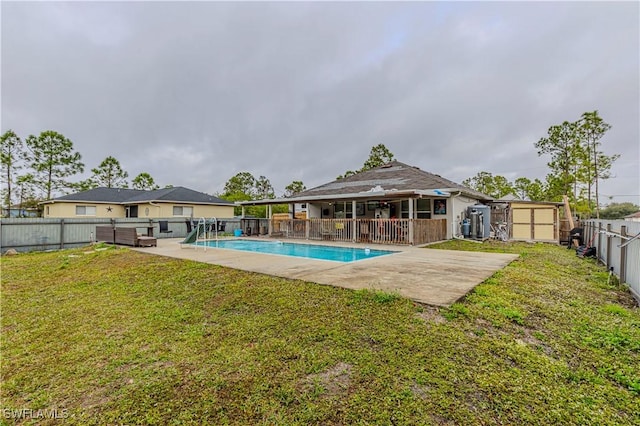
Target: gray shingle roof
(178,194)
(393,175)
(106,195)
(133,196)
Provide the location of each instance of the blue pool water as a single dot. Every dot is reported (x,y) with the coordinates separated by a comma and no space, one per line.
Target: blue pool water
(311,251)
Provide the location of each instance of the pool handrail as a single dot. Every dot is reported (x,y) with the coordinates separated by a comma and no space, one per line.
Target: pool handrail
(202,221)
(215,226)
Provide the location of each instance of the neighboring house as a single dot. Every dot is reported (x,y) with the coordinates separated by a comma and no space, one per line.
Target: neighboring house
(17,211)
(634,217)
(120,203)
(392,191)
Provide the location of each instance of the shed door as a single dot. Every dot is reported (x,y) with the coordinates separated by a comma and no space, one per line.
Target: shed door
(535,223)
(544,225)
(521,228)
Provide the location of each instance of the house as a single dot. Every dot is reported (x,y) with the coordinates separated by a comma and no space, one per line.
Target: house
(370,205)
(18,211)
(633,217)
(120,203)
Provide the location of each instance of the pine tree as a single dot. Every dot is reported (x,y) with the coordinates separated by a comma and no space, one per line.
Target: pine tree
(12,156)
(53,160)
(110,174)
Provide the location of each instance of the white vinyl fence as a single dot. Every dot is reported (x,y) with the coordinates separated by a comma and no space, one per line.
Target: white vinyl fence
(40,234)
(617,244)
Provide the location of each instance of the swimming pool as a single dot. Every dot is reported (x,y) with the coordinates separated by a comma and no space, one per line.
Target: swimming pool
(310,251)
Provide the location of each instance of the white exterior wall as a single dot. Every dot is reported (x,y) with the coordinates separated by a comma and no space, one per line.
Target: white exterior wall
(456,213)
(314,211)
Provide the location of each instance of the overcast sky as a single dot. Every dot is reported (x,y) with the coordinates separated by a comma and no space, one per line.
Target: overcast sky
(194,93)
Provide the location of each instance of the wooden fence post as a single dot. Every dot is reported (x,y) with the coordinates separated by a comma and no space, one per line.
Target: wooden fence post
(585,233)
(623,255)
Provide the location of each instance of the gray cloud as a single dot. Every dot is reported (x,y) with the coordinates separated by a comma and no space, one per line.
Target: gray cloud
(196,92)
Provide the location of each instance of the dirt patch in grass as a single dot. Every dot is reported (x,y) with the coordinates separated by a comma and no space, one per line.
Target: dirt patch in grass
(530,339)
(420,391)
(96,398)
(431,315)
(334,381)
(476,400)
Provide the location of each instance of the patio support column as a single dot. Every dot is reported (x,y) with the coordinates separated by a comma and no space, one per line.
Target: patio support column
(411,220)
(353,220)
(243,212)
(270,216)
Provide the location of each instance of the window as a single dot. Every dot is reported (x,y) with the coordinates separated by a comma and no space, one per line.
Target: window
(422,210)
(440,206)
(183,211)
(404,209)
(423,207)
(85,210)
(343,210)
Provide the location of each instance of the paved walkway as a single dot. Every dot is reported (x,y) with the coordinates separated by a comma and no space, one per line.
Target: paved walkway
(433,277)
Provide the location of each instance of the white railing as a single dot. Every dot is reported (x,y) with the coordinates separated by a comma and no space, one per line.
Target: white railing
(378,231)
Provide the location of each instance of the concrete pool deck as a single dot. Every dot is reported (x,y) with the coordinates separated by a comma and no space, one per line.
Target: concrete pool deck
(433,277)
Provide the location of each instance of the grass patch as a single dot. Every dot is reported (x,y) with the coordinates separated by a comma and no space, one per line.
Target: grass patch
(616,310)
(454,311)
(376,296)
(115,336)
(512,315)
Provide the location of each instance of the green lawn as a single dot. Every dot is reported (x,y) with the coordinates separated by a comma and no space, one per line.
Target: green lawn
(122,337)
